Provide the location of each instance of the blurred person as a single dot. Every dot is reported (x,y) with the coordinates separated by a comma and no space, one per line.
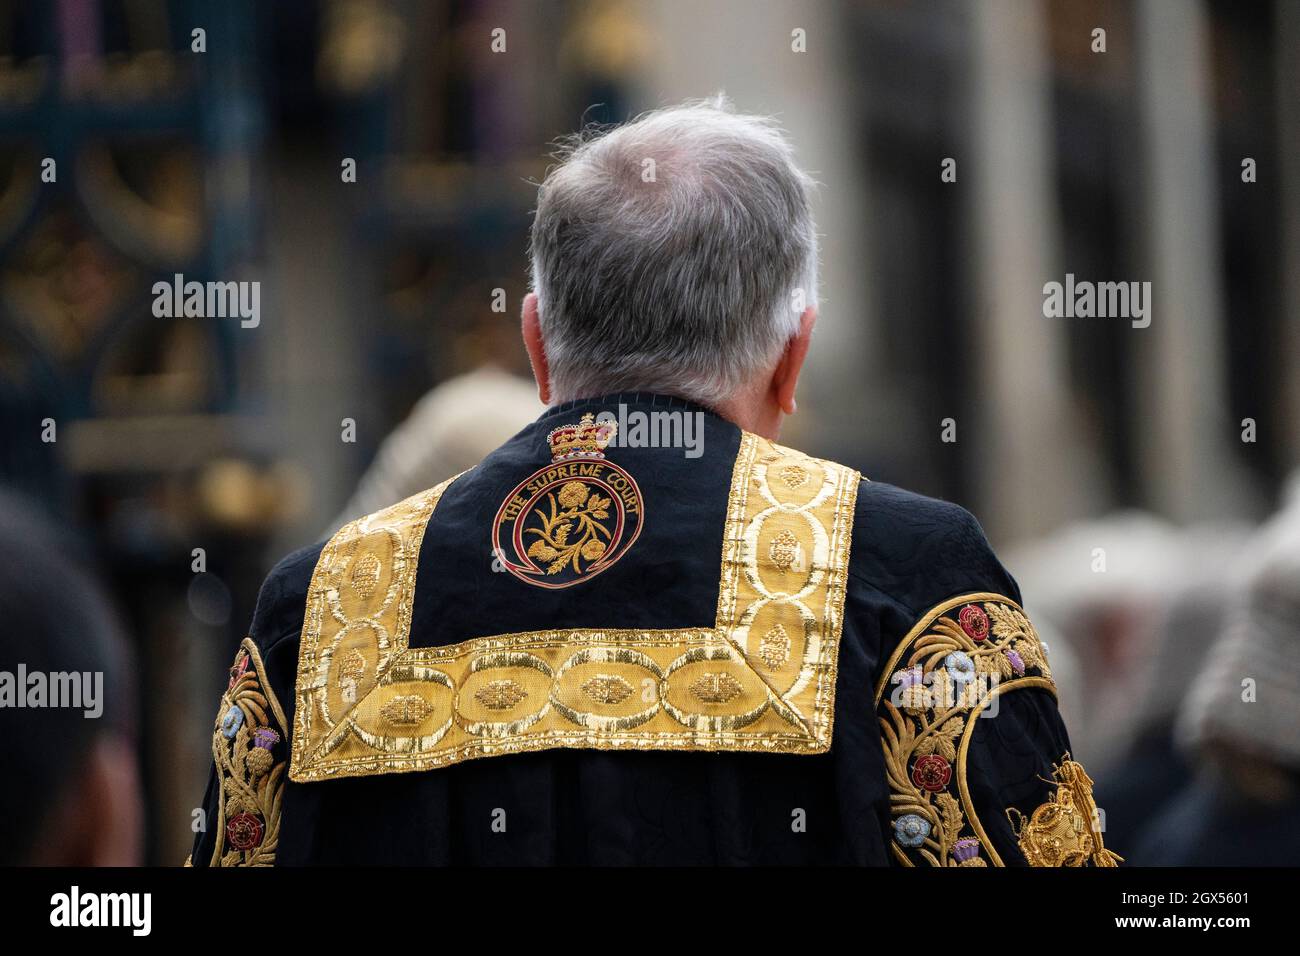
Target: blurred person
(641,630)
(1153,769)
(450,429)
(1239,723)
(71,795)
(1140,622)
(1103,587)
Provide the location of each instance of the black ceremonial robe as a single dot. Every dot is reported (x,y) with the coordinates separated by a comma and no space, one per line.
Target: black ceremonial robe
(635,634)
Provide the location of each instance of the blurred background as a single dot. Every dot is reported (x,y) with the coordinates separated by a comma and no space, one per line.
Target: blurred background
(1122,473)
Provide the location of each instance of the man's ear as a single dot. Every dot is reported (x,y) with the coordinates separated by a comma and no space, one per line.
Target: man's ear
(786,376)
(532,329)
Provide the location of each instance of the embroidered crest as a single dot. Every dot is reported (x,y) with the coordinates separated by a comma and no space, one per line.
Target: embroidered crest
(1066,830)
(574,518)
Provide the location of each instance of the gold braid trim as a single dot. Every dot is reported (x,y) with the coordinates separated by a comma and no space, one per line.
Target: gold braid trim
(958,658)
(761,679)
(250,732)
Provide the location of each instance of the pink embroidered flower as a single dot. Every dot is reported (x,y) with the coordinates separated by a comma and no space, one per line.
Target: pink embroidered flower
(931,772)
(1017,662)
(974,622)
(238,668)
(244,831)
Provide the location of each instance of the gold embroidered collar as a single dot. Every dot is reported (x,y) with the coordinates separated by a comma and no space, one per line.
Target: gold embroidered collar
(762,678)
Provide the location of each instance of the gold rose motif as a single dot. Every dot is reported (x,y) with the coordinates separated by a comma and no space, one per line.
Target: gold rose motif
(573,530)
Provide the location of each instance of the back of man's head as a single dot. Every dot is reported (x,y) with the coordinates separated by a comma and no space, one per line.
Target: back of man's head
(674,253)
(70,794)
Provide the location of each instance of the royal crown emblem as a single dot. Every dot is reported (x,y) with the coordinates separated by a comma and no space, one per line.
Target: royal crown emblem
(587,439)
(573,518)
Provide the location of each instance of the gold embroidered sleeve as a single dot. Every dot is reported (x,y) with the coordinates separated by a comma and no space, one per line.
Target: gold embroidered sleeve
(943,677)
(248,747)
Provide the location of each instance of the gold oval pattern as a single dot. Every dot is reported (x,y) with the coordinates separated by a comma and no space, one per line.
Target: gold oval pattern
(786,552)
(716,687)
(774,649)
(500,694)
(353,666)
(406,710)
(704,688)
(794,476)
(607,689)
(365,575)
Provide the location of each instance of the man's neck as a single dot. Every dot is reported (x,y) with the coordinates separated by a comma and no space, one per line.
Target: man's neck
(743,410)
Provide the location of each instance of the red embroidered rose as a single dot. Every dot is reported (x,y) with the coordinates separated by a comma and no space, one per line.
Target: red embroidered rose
(974,622)
(931,772)
(244,831)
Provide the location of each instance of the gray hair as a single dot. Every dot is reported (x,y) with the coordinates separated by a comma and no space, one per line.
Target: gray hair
(674,254)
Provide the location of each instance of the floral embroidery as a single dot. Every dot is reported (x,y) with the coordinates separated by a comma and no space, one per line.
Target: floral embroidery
(237,669)
(931,772)
(911,830)
(974,622)
(959,667)
(966,852)
(250,726)
(577,505)
(231,723)
(940,678)
(244,831)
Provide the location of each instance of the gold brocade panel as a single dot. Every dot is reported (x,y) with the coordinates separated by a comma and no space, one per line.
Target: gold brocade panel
(763,678)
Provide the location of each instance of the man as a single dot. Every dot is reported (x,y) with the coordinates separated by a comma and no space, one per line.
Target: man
(641,631)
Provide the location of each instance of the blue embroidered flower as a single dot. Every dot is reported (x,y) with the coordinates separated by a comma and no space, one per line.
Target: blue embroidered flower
(231,723)
(960,667)
(911,830)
